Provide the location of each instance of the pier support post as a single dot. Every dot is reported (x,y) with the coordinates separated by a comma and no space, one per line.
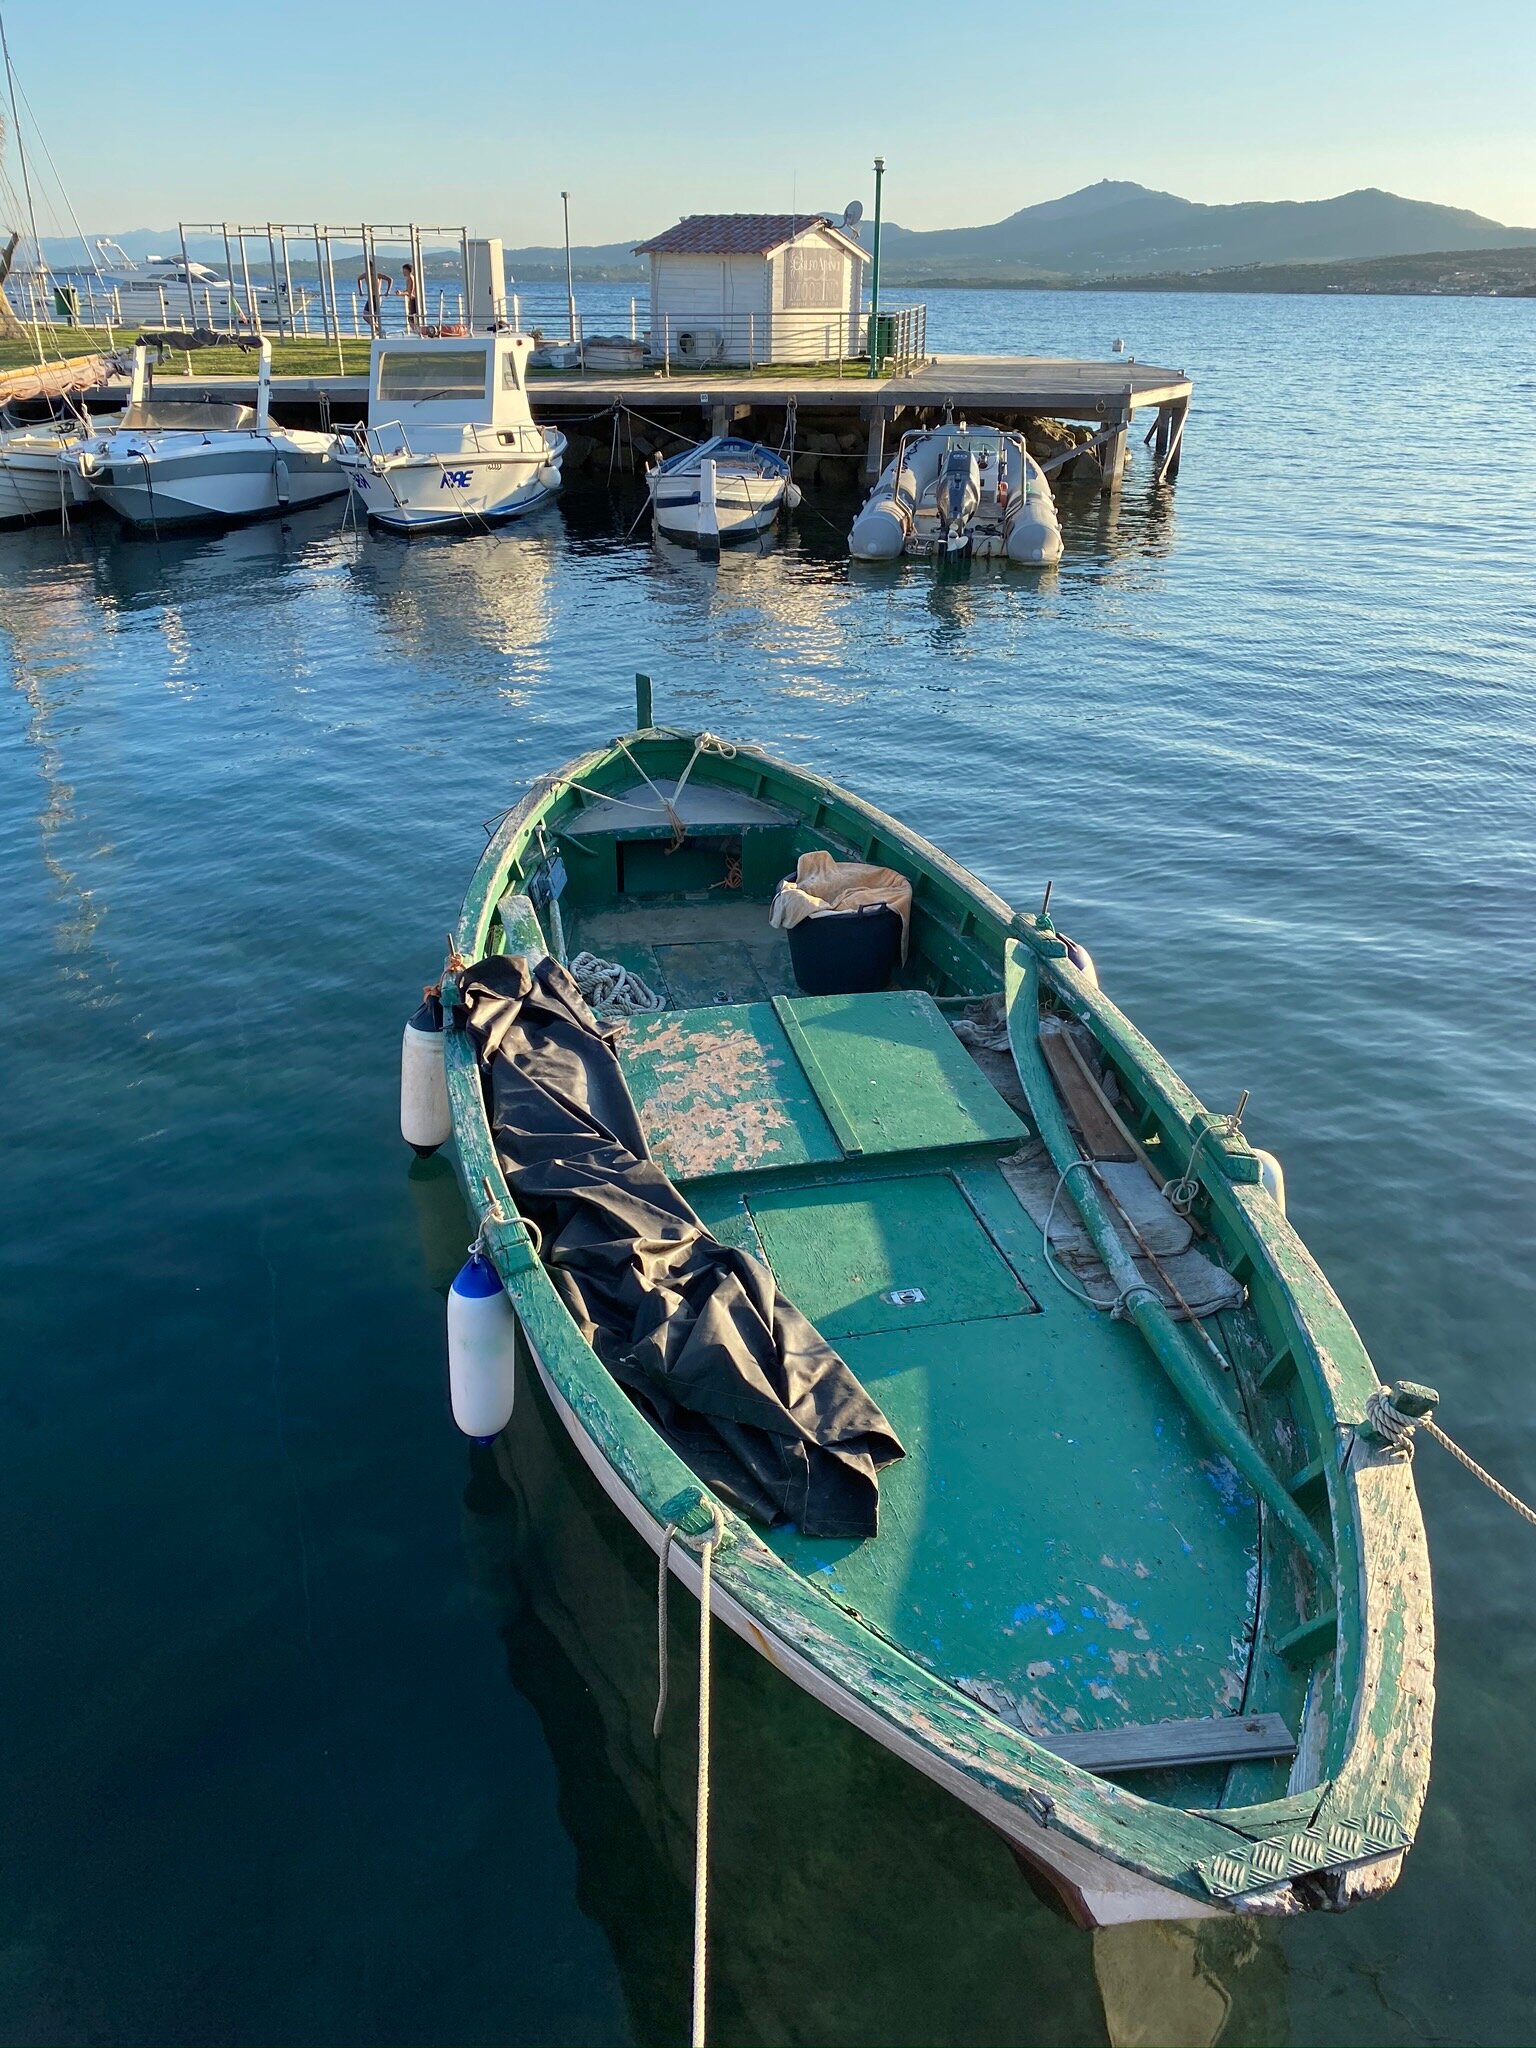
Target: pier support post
(874,454)
(1112,455)
(720,421)
(1177,414)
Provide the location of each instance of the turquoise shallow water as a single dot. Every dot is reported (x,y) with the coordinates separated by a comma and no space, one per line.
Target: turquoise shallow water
(319,1730)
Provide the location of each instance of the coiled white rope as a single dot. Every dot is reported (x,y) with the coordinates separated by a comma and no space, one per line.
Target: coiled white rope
(613,990)
(1395,1432)
(701,1825)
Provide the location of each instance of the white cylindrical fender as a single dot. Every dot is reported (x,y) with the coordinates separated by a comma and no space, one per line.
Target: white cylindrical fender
(549,475)
(879,533)
(794,497)
(1082,960)
(482,1351)
(1271,1177)
(425,1119)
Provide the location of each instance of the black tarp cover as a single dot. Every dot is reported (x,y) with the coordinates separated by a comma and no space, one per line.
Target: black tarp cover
(733,1376)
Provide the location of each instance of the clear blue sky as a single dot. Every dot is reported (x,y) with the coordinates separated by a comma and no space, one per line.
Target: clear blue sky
(480,110)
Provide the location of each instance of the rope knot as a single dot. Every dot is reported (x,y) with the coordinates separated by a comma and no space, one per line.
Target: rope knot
(1392,1429)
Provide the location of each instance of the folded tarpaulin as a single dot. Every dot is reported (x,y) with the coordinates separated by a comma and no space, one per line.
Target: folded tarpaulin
(822,886)
(732,1375)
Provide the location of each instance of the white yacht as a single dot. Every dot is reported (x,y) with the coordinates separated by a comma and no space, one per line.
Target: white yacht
(171,290)
(450,440)
(956,489)
(726,489)
(175,462)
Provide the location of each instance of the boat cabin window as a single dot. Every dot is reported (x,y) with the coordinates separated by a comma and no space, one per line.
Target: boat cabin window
(424,375)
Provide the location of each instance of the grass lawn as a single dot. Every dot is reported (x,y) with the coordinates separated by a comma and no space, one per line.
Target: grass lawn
(317,358)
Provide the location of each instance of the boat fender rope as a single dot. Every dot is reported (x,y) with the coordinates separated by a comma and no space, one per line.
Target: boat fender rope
(1395,1430)
(707,1543)
(612,989)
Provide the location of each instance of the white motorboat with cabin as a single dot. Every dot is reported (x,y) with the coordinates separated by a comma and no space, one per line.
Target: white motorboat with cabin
(175,462)
(451,441)
(956,489)
(723,490)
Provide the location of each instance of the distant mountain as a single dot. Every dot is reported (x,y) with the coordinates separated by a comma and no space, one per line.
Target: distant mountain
(1115,227)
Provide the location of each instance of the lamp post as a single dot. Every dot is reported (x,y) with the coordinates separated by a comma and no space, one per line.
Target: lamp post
(874,278)
(570,289)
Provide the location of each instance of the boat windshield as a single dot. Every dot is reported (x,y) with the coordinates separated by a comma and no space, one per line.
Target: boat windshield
(424,375)
(191,415)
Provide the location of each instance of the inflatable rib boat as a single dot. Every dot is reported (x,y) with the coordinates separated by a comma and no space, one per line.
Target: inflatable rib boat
(960,490)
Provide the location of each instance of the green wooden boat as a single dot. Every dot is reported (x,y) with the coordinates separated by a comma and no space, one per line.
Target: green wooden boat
(1147,1594)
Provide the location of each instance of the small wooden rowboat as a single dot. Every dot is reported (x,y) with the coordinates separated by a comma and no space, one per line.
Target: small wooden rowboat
(1147,1594)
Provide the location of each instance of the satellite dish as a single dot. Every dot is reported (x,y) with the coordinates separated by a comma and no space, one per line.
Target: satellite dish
(853,213)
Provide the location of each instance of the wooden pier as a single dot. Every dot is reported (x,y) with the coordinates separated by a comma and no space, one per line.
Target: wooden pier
(796,406)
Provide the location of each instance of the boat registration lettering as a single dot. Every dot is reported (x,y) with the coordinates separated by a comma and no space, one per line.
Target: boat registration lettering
(454,480)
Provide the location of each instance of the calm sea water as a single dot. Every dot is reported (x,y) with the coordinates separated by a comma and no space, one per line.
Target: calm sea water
(317,1729)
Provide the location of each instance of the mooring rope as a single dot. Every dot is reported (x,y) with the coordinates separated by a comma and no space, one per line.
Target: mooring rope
(1395,1431)
(707,1545)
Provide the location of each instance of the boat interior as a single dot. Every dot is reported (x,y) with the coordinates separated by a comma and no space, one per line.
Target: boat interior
(1061,1540)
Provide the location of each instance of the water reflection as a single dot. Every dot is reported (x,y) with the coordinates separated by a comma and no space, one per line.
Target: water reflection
(442,1220)
(474,607)
(43,627)
(1198,1983)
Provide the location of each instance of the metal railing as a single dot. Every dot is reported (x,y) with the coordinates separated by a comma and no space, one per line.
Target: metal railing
(474,438)
(778,340)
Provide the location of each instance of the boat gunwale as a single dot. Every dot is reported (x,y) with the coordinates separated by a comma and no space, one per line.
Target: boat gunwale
(1160,1842)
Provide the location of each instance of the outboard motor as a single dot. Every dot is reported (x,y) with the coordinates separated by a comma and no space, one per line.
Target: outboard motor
(956,496)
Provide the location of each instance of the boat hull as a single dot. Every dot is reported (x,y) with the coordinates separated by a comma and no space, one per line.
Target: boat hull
(1095,1891)
(740,514)
(39,485)
(167,487)
(451,493)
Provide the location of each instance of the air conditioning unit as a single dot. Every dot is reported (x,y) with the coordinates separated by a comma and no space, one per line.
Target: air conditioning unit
(699,344)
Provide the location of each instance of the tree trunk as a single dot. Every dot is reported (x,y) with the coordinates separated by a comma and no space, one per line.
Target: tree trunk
(11,328)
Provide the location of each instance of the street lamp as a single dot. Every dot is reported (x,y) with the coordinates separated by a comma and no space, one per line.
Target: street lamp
(570,289)
(874,278)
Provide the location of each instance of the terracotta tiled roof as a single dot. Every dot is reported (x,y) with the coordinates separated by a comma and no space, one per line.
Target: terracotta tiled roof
(735,234)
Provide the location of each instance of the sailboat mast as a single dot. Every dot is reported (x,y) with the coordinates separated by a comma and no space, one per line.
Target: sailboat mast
(21,147)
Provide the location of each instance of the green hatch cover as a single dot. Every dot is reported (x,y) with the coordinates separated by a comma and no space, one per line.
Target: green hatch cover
(842,1252)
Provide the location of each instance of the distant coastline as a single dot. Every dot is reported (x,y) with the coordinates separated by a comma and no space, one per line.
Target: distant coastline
(1508,273)
(1455,273)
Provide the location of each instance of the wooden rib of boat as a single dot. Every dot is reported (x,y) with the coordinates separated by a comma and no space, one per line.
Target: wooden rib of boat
(1146,1594)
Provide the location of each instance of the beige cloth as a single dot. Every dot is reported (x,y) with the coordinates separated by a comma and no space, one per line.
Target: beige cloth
(52,380)
(821,885)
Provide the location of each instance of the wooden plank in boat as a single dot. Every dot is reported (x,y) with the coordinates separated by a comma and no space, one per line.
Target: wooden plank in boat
(1170,1745)
(1100,1133)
